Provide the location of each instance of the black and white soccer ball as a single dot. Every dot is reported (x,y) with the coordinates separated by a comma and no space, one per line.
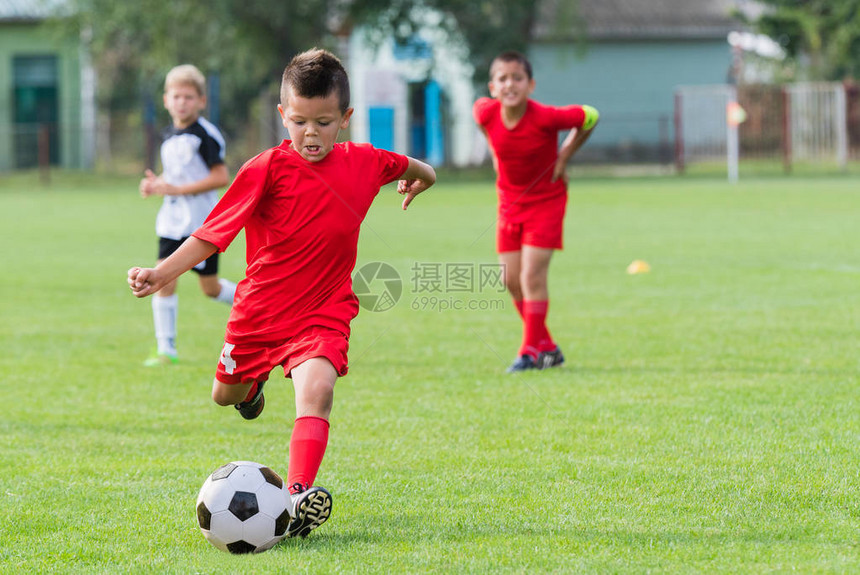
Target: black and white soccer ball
(243,507)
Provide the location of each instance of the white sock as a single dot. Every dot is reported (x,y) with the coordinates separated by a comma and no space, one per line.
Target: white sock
(228,291)
(164,310)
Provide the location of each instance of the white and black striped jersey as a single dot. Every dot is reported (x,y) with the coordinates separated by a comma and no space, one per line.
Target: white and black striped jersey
(187,156)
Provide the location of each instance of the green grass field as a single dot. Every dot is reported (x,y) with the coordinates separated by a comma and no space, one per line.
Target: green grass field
(706,420)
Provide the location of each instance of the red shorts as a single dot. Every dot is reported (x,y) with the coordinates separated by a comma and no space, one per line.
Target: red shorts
(540,226)
(253,362)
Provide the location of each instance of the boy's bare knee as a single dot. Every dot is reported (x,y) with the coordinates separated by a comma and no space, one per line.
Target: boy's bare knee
(221,400)
(533,279)
(224,394)
(210,286)
(315,397)
(532,287)
(322,391)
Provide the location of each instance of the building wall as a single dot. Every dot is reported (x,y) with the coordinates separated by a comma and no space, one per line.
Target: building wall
(31,40)
(381,77)
(631,83)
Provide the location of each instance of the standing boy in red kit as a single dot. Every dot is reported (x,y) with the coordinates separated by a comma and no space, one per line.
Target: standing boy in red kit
(301,205)
(532,189)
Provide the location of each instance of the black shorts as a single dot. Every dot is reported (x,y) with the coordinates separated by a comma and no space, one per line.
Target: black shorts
(208,267)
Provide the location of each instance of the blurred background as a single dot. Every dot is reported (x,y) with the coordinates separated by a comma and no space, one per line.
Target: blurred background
(680,84)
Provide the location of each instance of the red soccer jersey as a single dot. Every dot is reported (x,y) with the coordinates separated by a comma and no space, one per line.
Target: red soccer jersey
(526,154)
(301,223)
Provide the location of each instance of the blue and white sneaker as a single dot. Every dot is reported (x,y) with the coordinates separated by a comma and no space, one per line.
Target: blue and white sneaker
(522,363)
(311,508)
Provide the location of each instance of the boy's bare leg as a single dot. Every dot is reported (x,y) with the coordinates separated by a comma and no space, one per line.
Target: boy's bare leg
(217,288)
(535,273)
(511,269)
(534,281)
(537,349)
(168,290)
(314,382)
(246,397)
(209,285)
(229,394)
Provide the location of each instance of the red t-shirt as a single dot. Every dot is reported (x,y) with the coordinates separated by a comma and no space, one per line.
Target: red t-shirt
(526,154)
(301,223)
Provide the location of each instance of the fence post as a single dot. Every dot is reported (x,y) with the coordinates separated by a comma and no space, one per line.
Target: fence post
(841,127)
(733,110)
(44,139)
(665,154)
(679,135)
(149,131)
(786,130)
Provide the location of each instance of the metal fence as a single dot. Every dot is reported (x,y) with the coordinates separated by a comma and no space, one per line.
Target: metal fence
(784,125)
(809,122)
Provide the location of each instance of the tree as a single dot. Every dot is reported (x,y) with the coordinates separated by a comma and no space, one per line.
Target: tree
(135,43)
(248,42)
(486,27)
(821,36)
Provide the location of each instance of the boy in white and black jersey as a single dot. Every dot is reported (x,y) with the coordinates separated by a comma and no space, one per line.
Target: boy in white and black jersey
(192,157)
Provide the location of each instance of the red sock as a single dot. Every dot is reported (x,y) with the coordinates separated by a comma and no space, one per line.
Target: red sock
(251,391)
(536,337)
(307,448)
(518,303)
(546,343)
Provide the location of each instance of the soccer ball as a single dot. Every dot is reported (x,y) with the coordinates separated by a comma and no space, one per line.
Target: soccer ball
(243,507)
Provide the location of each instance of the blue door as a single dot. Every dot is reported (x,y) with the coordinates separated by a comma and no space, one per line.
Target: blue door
(434,132)
(381,127)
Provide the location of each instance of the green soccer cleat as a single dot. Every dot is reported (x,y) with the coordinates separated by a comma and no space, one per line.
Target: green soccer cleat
(159,359)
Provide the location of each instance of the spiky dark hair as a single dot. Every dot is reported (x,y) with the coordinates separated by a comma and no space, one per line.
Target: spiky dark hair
(316,73)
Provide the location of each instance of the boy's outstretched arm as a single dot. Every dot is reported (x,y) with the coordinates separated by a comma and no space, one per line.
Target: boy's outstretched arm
(417,178)
(147,281)
(574,140)
(153,185)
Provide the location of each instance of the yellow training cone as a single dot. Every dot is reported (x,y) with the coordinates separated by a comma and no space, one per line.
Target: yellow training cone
(638,267)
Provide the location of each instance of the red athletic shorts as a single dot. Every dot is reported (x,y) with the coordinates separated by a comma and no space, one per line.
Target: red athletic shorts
(540,225)
(252,362)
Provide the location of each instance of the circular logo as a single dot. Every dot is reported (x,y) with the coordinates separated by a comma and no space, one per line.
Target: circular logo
(378,286)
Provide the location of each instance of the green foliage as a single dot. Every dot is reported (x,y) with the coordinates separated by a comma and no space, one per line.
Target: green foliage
(706,420)
(827,32)
(485,28)
(248,43)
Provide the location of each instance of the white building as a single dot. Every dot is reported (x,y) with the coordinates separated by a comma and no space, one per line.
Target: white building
(413,98)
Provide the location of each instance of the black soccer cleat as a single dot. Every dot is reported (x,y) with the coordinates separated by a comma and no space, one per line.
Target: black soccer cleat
(548,359)
(522,363)
(311,508)
(252,408)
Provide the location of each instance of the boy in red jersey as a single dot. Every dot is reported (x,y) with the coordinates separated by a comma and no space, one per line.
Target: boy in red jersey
(301,205)
(532,190)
